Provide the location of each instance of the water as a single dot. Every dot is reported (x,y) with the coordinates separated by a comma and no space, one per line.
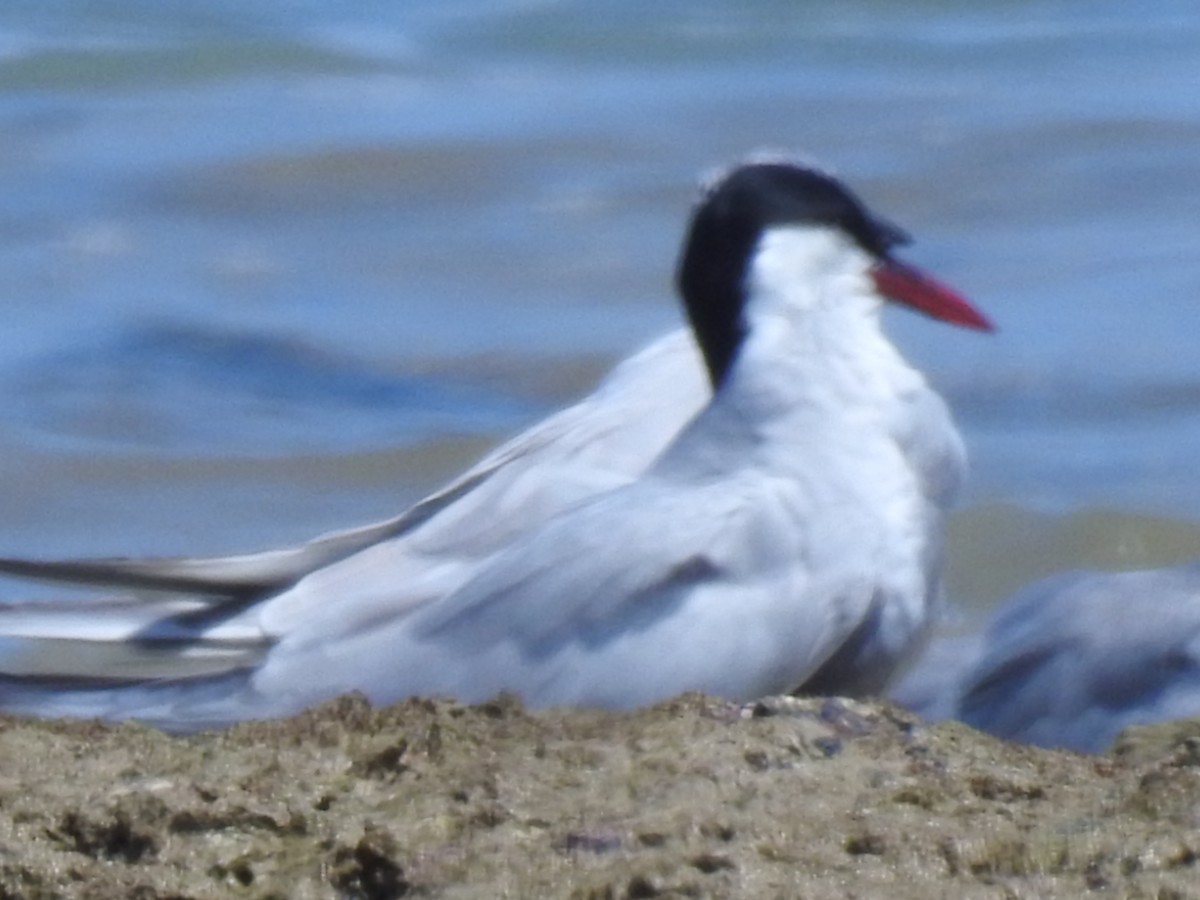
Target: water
(277,268)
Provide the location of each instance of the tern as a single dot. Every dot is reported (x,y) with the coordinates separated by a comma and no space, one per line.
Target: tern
(752,507)
(1071,660)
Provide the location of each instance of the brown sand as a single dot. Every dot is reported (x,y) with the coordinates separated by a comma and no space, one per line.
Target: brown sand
(694,798)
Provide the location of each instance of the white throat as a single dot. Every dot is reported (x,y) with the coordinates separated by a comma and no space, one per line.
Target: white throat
(813,336)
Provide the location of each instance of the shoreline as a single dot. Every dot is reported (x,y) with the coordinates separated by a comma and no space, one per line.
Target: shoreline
(695,797)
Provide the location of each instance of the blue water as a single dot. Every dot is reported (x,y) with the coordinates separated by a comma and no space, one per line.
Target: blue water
(270,269)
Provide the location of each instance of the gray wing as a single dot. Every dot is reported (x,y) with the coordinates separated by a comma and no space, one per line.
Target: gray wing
(191,618)
(606,439)
(1072,660)
(629,599)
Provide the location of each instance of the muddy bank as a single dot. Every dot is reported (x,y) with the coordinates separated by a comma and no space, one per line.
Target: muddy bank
(695,798)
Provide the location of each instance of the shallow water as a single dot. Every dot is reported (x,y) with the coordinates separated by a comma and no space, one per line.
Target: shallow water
(277,269)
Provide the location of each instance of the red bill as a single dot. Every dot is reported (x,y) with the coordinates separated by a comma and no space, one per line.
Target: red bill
(909,285)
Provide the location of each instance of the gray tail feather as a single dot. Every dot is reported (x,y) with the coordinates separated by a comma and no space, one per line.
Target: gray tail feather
(176,706)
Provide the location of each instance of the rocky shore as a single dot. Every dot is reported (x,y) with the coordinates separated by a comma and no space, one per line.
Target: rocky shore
(813,798)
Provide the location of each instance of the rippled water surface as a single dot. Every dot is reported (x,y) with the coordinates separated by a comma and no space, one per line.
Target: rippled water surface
(270,269)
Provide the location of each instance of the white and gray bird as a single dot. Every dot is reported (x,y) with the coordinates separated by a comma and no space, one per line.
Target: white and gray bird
(775,525)
(1071,660)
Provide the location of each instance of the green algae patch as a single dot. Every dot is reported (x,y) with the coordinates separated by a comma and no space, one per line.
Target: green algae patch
(692,798)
